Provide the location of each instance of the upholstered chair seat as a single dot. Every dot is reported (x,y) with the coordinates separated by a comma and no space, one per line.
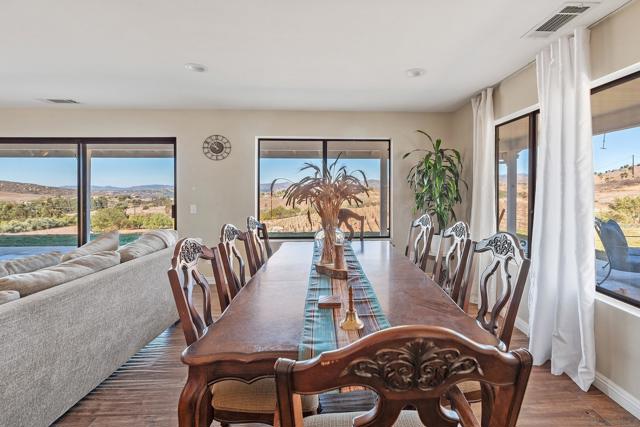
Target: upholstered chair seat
(406,419)
(258,397)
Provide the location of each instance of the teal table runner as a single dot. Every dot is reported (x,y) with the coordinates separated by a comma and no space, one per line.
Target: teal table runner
(322,330)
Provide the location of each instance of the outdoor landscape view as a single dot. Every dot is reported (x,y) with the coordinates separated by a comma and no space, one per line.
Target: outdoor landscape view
(39,201)
(283,221)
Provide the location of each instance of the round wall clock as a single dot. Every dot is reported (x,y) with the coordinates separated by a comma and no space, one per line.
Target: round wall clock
(216,147)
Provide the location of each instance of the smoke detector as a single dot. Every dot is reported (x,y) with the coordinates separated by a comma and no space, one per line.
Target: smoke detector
(566,13)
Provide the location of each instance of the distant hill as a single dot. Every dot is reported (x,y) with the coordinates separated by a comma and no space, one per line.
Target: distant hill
(12,187)
(155,188)
(266,187)
(27,188)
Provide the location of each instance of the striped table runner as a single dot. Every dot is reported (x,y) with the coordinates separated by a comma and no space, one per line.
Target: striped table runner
(322,330)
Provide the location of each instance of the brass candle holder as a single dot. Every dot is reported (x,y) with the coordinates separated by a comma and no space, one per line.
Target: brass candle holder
(351,321)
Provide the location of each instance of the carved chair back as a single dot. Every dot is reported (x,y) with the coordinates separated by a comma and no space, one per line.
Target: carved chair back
(507,271)
(258,247)
(344,215)
(419,242)
(451,261)
(232,261)
(410,366)
(183,278)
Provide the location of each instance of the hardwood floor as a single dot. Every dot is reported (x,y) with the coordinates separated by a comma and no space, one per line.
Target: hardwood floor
(144,392)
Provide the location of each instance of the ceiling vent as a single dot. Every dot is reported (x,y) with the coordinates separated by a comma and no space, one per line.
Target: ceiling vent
(59,101)
(565,14)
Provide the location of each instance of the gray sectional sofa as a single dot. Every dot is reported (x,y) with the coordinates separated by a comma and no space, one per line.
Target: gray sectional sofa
(60,343)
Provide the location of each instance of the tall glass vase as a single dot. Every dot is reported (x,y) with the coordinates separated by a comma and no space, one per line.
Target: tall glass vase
(328,244)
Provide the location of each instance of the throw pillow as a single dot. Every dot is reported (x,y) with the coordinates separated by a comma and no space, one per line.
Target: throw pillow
(30,263)
(8,296)
(146,244)
(104,242)
(36,281)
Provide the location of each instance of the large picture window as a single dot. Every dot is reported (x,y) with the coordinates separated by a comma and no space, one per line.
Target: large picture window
(615,141)
(616,153)
(57,194)
(282,159)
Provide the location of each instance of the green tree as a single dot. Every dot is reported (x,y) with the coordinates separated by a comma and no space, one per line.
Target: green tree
(109,219)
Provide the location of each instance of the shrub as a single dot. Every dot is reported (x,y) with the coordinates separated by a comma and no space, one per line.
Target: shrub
(32,224)
(109,219)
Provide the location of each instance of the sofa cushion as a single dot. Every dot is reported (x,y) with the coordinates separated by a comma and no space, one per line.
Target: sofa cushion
(36,281)
(28,264)
(149,242)
(104,242)
(8,296)
(169,237)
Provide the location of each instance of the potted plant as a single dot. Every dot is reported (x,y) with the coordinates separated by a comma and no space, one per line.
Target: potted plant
(326,191)
(435,181)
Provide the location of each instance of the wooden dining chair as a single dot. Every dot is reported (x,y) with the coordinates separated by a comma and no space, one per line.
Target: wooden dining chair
(454,253)
(506,275)
(344,215)
(231,401)
(419,241)
(259,247)
(235,269)
(408,367)
(508,271)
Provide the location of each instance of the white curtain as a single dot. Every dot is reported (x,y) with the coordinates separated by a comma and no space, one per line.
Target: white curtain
(483,199)
(562,293)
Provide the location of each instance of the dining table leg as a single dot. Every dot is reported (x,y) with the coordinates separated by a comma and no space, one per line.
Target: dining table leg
(194,407)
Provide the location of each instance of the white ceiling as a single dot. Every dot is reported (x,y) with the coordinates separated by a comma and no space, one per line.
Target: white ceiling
(265,54)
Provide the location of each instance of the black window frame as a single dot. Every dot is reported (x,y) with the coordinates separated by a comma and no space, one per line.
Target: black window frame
(533,156)
(533,136)
(594,90)
(324,142)
(84,204)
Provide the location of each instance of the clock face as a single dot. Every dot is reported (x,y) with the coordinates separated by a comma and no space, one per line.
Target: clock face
(216,147)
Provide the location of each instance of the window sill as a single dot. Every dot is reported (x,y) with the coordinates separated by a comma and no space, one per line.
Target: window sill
(620,305)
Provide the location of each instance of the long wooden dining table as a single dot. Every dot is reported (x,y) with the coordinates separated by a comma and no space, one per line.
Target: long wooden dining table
(265,320)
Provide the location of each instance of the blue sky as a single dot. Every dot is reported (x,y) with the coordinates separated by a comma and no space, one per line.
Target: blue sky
(271,169)
(620,146)
(59,172)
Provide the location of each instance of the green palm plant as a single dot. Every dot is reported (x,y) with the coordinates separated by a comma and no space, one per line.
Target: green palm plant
(326,189)
(435,181)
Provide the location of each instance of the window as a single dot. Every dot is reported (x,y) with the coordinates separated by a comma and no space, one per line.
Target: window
(282,159)
(38,198)
(515,170)
(59,193)
(616,152)
(131,188)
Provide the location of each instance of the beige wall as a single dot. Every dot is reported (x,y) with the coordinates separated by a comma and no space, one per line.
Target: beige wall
(614,46)
(225,191)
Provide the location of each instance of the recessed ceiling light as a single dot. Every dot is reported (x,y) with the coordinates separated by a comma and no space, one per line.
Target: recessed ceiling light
(59,101)
(416,72)
(196,68)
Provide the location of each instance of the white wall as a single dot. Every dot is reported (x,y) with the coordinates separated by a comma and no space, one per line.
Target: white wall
(225,191)
(614,46)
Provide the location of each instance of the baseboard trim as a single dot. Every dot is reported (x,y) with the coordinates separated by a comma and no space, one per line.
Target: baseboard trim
(617,394)
(522,326)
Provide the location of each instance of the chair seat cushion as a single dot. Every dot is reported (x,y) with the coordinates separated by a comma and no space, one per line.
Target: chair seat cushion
(345,419)
(259,397)
(469,386)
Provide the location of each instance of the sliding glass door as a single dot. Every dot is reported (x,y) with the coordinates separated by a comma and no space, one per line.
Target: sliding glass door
(56,194)
(131,188)
(38,198)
